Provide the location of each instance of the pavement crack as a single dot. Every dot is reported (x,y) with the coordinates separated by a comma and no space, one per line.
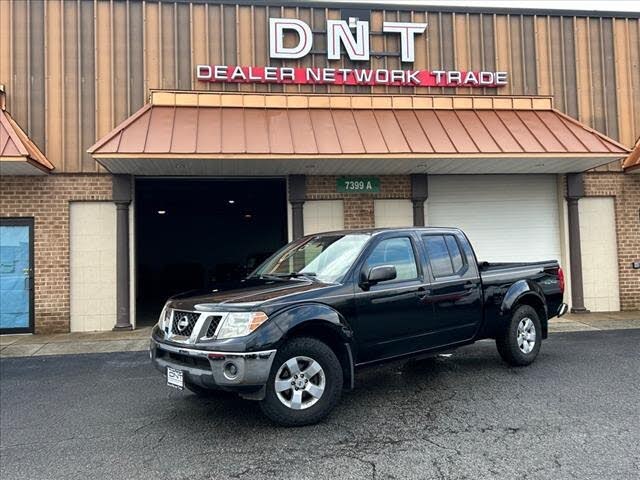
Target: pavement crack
(443,447)
(144,425)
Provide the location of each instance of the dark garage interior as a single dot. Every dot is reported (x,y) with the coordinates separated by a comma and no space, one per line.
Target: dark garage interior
(193,233)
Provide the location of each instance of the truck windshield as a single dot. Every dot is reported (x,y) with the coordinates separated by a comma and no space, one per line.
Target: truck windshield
(325,257)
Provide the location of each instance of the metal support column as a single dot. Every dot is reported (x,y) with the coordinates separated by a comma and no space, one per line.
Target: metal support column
(297,194)
(575,191)
(122,199)
(419,195)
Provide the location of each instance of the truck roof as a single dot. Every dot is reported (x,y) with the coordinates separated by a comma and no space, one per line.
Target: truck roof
(378,230)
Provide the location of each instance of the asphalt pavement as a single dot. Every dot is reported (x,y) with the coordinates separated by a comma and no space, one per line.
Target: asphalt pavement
(572,414)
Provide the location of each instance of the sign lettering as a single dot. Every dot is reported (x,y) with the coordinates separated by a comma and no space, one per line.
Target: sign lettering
(338,32)
(349,76)
(277,27)
(350,37)
(358,185)
(407,32)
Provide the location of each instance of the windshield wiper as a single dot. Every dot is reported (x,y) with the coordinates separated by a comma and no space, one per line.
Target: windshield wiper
(308,275)
(269,276)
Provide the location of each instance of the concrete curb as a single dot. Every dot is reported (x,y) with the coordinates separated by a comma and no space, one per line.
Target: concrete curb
(74,343)
(72,348)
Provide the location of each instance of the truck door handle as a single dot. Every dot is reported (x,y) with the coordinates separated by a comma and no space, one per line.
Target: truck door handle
(423,293)
(469,286)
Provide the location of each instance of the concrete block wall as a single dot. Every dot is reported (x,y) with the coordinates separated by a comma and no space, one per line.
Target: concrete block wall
(601,286)
(93,266)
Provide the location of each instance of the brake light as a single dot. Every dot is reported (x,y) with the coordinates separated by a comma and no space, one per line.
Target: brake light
(561,279)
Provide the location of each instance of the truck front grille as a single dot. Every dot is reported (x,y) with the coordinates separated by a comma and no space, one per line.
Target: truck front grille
(214,321)
(183,322)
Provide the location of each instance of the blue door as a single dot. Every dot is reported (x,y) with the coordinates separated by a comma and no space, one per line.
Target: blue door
(16,279)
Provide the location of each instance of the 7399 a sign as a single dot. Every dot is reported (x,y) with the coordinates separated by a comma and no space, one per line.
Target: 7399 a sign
(358,185)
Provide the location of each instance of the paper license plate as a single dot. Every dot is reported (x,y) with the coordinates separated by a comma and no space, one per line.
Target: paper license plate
(175,378)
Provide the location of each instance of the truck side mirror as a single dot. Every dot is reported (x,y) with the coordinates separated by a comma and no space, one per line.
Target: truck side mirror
(381,273)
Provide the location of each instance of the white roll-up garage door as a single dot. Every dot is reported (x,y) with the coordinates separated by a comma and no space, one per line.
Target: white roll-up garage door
(508,218)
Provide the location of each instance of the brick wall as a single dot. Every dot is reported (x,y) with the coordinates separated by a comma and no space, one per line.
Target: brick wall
(358,207)
(626,192)
(46,199)
(359,212)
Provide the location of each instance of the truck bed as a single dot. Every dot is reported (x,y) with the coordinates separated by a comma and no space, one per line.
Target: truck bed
(499,277)
(504,267)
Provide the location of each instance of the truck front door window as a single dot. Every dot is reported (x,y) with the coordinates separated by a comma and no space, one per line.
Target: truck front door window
(397,252)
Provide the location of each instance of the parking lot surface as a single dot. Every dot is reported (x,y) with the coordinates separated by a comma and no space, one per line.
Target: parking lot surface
(572,414)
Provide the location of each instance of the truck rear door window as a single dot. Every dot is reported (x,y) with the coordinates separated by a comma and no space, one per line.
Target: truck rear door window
(444,253)
(454,252)
(438,256)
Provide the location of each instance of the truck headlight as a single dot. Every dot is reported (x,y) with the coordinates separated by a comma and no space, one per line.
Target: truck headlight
(239,324)
(165,318)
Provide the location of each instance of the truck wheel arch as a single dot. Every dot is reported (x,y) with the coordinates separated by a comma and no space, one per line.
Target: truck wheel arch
(525,292)
(325,324)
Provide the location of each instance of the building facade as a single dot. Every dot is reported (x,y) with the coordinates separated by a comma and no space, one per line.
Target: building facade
(137,160)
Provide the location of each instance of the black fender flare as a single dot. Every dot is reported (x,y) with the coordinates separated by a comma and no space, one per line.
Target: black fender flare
(527,292)
(291,318)
(320,320)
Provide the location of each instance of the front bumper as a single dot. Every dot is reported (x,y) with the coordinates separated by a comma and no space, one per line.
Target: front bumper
(210,369)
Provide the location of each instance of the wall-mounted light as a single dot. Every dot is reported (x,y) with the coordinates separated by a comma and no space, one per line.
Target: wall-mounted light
(162,212)
(248,216)
(231,202)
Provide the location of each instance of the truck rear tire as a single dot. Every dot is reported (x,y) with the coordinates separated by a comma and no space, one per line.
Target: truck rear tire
(519,343)
(305,383)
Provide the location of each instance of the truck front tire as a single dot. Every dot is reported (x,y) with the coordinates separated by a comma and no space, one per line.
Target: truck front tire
(519,342)
(305,383)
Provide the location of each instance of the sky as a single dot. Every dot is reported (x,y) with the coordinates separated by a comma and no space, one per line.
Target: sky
(602,5)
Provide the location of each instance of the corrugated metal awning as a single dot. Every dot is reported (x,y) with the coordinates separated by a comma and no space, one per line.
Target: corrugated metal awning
(632,162)
(18,154)
(478,135)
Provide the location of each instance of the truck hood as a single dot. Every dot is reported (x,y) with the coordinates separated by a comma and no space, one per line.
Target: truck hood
(243,295)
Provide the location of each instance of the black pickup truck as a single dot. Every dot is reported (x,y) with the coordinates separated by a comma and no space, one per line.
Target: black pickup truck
(292,333)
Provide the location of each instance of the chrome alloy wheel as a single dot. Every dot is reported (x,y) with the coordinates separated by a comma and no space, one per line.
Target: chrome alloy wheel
(526,335)
(300,382)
